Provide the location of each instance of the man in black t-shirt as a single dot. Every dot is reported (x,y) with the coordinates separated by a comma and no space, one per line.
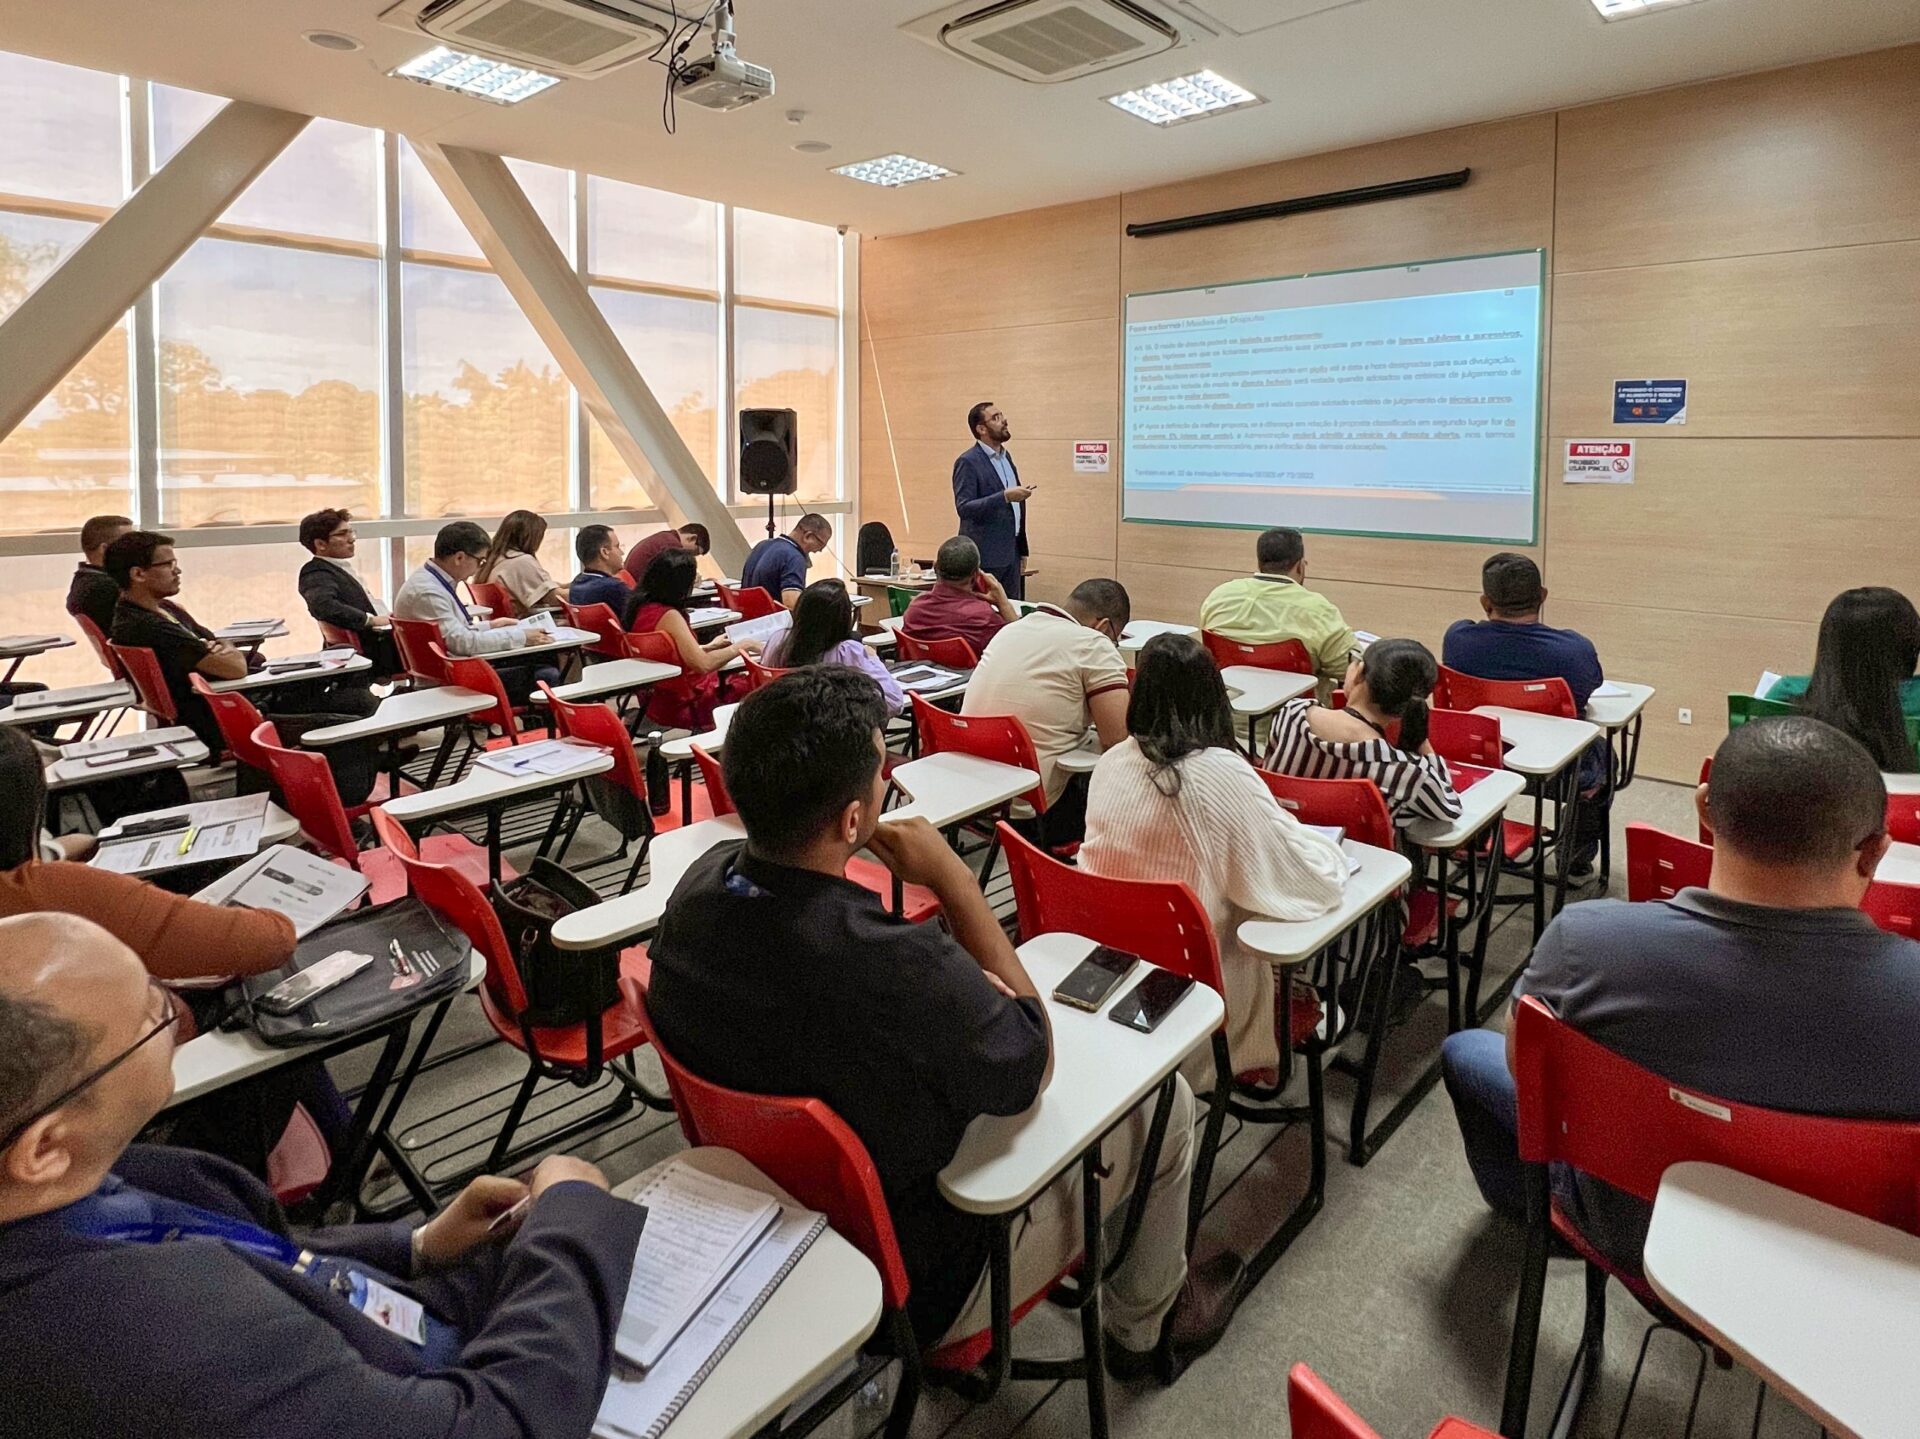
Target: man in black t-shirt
(92,591)
(774,973)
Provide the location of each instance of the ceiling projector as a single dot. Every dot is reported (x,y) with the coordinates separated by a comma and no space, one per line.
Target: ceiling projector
(721,81)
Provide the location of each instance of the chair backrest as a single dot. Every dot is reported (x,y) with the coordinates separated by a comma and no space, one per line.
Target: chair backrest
(472,672)
(1660,865)
(1903,817)
(658,646)
(454,897)
(1466,738)
(716,782)
(1355,805)
(601,620)
(951,651)
(1548,696)
(899,597)
(1314,1411)
(97,638)
(626,579)
(336,638)
(1741,708)
(420,652)
(237,718)
(759,674)
(873,549)
(1162,921)
(594,722)
(1894,907)
(307,790)
(1583,1104)
(1288,655)
(995,737)
(752,601)
(802,1146)
(392,834)
(142,669)
(495,597)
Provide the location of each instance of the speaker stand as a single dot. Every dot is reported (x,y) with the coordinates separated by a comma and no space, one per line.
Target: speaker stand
(772,500)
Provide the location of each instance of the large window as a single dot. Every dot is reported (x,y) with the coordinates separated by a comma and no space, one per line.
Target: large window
(783,360)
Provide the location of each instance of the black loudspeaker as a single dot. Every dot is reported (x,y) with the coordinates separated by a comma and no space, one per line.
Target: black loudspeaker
(769,452)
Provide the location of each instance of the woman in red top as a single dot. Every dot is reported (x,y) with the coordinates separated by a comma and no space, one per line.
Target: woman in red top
(660,604)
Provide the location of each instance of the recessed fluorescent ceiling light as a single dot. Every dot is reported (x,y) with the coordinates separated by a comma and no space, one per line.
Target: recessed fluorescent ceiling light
(893,171)
(1188,98)
(464,74)
(1626,9)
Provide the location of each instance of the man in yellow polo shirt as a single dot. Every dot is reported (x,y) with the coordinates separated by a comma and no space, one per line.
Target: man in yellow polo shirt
(1276,605)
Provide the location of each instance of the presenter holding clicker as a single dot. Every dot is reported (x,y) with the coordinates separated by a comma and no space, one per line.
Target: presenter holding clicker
(990,498)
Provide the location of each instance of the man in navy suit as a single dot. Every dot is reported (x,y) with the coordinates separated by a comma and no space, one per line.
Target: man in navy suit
(990,499)
(158,1292)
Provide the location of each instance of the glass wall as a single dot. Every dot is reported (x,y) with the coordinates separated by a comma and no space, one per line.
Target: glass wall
(292,360)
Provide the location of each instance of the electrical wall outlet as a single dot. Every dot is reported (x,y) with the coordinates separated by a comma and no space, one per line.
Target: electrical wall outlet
(1686,716)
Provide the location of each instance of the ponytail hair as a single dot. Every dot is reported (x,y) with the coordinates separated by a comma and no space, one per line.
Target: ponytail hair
(1400,675)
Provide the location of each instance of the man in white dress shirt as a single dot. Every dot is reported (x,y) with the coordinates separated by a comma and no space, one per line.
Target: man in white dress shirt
(432,593)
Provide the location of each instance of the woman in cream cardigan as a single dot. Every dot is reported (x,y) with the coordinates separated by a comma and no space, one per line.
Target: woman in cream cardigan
(1178,801)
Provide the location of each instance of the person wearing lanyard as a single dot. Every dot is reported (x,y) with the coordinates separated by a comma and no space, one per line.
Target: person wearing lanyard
(159,1292)
(991,499)
(432,593)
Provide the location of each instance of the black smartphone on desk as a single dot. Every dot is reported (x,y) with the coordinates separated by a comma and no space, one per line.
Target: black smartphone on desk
(1151,1000)
(1095,977)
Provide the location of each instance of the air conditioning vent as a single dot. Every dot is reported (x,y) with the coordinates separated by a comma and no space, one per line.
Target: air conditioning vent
(580,38)
(1048,41)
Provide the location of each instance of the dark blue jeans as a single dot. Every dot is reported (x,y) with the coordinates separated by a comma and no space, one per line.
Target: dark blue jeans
(1474,1066)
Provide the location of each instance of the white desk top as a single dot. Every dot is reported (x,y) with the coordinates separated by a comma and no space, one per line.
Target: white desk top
(612,678)
(885,640)
(69,709)
(248,633)
(1822,1304)
(1540,744)
(403,713)
(220,1057)
(627,916)
(1100,1071)
(1256,691)
(564,638)
(710,617)
(821,1314)
(1083,759)
(348,664)
(1289,941)
(278,826)
(1900,864)
(482,787)
(944,789)
(169,754)
(1896,783)
(1612,712)
(1481,804)
(905,582)
(1138,632)
(712,741)
(25,646)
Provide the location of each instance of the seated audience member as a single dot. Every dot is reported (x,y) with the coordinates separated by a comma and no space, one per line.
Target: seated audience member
(645,551)
(432,593)
(159,1291)
(598,548)
(1863,681)
(334,594)
(694,536)
(92,592)
(1386,685)
(1511,643)
(661,604)
(1176,800)
(1276,605)
(965,602)
(779,564)
(1058,673)
(774,973)
(513,563)
(142,564)
(1768,987)
(822,633)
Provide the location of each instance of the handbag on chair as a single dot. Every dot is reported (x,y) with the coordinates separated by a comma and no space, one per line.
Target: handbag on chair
(564,986)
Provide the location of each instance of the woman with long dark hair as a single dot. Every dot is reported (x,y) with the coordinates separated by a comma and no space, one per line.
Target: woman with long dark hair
(660,604)
(822,633)
(1176,800)
(512,562)
(1863,681)
(1381,735)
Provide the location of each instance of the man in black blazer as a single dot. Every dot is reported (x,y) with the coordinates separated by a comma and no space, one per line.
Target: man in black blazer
(991,500)
(334,594)
(159,1293)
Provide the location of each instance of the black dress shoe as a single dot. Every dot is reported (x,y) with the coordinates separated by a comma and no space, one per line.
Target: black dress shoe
(1193,1326)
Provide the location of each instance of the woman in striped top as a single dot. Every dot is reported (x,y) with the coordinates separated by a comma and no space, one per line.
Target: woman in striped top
(1386,685)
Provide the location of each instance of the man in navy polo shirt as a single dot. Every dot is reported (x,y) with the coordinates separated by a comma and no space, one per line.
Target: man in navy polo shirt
(779,565)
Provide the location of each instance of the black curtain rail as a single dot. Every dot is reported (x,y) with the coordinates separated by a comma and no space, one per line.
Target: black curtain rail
(1303,204)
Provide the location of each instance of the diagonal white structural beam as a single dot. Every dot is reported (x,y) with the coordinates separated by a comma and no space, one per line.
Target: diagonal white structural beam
(83,299)
(544,283)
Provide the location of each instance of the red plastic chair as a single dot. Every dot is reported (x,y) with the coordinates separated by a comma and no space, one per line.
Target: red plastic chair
(1355,805)
(1543,696)
(1903,817)
(752,601)
(1583,1105)
(143,672)
(1894,907)
(420,652)
(300,1159)
(626,808)
(917,902)
(626,579)
(336,637)
(1288,655)
(1314,1411)
(101,648)
(579,1053)
(1466,738)
(237,718)
(658,647)
(996,737)
(495,597)
(1660,865)
(951,651)
(759,674)
(600,620)
(474,673)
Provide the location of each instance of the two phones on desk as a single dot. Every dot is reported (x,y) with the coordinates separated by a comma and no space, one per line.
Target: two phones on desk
(1100,973)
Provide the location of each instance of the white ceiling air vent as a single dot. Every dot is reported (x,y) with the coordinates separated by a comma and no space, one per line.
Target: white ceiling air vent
(580,38)
(1047,41)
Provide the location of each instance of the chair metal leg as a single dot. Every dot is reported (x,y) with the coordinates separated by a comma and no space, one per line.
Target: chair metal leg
(646,843)
(1584,1375)
(1092,1332)
(503,1142)
(900,1419)
(1525,1345)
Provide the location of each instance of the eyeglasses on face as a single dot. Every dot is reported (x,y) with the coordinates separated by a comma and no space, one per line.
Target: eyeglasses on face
(169,1014)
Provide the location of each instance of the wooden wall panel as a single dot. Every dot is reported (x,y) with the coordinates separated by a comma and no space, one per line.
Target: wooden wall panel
(1421,563)
(1799,159)
(1809,343)
(1072,515)
(1053,381)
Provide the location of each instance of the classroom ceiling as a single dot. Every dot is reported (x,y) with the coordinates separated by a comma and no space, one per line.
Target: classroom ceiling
(1360,71)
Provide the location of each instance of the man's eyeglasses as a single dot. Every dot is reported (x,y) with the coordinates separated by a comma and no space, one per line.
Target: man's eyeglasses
(92,1077)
